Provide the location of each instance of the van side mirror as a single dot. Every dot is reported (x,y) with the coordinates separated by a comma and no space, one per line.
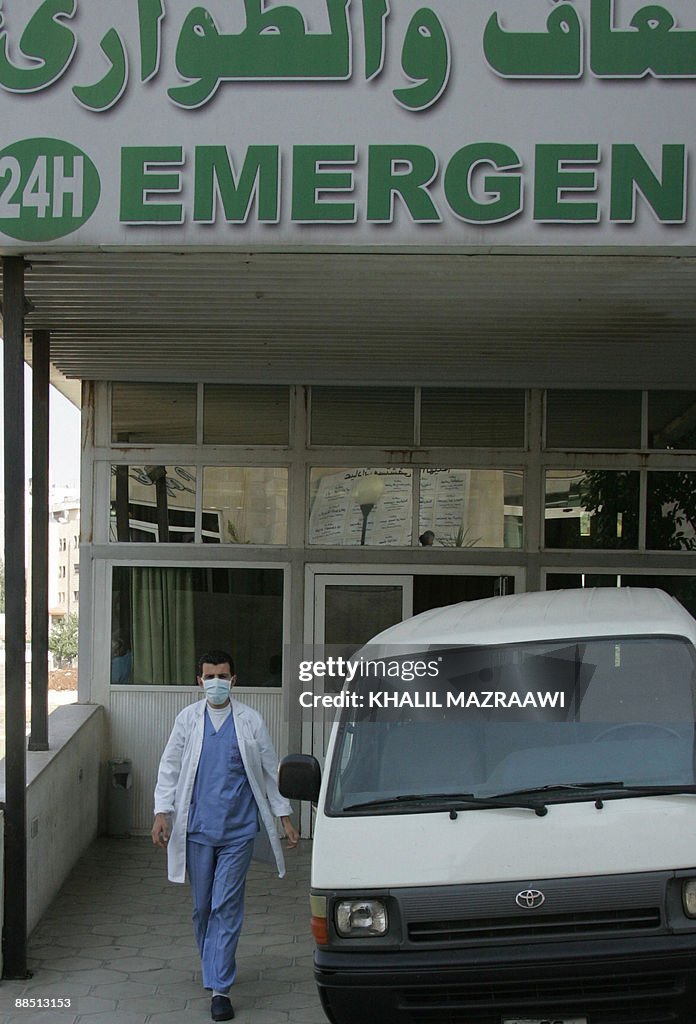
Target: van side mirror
(299,777)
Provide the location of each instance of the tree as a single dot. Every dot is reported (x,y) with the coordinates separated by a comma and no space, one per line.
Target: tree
(613,499)
(62,640)
(2,588)
(670,521)
(671,509)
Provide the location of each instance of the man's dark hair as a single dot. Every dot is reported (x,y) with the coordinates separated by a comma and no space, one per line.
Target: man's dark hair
(214,657)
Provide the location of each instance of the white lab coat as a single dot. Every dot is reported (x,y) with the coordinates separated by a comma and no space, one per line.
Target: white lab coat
(177,772)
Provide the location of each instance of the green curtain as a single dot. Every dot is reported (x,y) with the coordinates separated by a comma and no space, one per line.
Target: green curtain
(163,635)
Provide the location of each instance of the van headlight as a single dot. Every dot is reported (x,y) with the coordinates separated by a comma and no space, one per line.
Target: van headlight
(356,918)
(689,896)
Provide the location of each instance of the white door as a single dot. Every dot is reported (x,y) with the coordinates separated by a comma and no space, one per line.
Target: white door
(349,609)
(346,609)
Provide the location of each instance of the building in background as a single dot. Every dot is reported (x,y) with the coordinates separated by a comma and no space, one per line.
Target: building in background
(64,554)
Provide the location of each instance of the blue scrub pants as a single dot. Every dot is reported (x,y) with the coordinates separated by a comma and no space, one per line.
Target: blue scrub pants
(217,875)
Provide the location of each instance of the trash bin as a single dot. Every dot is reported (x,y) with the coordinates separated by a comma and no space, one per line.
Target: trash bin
(120,788)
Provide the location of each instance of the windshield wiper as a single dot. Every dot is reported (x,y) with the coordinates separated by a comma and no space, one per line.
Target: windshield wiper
(562,787)
(450,801)
(669,790)
(609,790)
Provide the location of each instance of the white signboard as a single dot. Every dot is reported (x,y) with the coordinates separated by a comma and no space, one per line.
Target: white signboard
(444,501)
(255,123)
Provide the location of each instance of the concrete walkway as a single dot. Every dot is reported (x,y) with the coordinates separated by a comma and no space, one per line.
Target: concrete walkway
(118,943)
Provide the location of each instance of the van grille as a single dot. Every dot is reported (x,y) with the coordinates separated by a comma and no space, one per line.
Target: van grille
(578,924)
(624,998)
(572,908)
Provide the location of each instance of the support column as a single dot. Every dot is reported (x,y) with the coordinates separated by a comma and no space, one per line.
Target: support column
(15,925)
(38,738)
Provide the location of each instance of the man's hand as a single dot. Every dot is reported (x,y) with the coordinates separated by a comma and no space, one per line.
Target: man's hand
(161,830)
(293,836)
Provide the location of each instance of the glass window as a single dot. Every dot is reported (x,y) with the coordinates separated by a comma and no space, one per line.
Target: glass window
(164,619)
(431,590)
(671,520)
(371,507)
(354,613)
(362,416)
(241,414)
(153,413)
(593,419)
(591,509)
(471,418)
(466,508)
(681,587)
(617,711)
(245,505)
(153,504)
(672,419)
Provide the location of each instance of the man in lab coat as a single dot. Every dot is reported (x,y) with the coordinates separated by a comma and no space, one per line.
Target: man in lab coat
(216,803)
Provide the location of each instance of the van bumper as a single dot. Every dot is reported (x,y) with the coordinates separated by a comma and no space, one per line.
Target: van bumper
(603,982)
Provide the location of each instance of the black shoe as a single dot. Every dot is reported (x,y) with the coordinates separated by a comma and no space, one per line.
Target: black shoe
(221,1008)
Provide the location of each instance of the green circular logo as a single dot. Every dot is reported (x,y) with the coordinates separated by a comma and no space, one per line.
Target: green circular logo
(48,188)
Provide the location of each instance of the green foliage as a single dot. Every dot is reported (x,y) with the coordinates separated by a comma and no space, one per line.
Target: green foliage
(62,639)
(670,521)
(608,496)
(671,509)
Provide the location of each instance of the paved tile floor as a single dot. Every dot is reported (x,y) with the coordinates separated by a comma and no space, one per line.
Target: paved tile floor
(118,943)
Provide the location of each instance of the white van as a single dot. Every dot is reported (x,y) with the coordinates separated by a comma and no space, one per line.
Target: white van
(505,831)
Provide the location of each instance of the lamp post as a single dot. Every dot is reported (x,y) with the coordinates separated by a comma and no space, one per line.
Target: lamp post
(367,492)
(158,476)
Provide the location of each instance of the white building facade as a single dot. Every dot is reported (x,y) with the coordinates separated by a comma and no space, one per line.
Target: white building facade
(64,556)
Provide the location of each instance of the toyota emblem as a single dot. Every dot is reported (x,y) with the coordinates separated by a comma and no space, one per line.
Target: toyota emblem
(529,899)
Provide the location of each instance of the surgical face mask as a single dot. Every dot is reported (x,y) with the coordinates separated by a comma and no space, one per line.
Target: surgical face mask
(217,689)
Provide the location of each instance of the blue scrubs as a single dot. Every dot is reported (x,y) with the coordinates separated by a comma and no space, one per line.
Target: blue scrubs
(222,826)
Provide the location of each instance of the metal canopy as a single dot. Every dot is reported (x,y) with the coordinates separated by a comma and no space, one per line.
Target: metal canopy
(543,320)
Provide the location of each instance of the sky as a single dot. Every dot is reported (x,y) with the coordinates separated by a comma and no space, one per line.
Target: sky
(64,436)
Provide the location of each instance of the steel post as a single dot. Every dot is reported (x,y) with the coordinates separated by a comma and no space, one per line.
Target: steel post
(15,922)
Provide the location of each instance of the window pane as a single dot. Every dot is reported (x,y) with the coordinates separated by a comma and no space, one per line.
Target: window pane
(471,418)
(236,414)
(593,419)
(672,419)
(681,587)
(431,590)
(467,508)
(153,413)
(671,511)
(354,613)
(153,503)
(580,580)
(163,619)
(360,506)
(245,505)
(362,416)
(592,509)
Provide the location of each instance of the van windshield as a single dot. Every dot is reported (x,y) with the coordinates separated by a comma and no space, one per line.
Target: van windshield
(562,718)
